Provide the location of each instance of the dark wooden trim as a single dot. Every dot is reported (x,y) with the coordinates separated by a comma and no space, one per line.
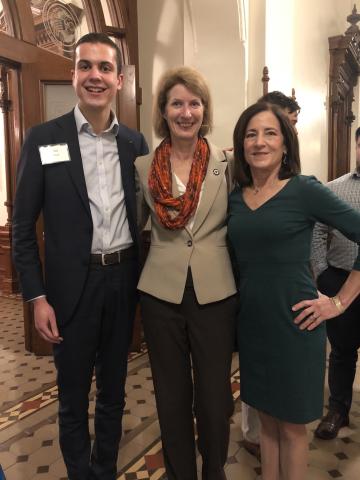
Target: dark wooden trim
(126,99)
(9,17)
(125,14)
(343,77)
(17,51)
(9,283)
(265,80)
(10,113)
(23,20)
(115,32)
(344,71)
(94,15)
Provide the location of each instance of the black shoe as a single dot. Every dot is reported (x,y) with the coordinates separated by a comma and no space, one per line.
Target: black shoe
(330,425)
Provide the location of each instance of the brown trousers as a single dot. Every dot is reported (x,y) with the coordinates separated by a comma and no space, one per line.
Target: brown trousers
(190,349)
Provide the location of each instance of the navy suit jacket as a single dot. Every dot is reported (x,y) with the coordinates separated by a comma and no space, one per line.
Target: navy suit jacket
(59,191)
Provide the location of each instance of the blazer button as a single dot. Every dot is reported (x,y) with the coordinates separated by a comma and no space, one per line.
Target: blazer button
(189,243)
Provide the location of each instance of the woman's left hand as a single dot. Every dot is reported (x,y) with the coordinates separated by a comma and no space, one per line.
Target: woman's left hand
(314,312)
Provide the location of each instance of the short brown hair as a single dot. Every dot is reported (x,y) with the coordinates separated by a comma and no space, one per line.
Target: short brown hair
(290,168)
(98,37)
(193,81)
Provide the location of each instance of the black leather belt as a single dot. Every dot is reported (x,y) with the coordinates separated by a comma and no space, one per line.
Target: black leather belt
(112,258)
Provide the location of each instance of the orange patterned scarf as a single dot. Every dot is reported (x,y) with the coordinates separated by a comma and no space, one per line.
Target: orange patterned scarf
(174,213)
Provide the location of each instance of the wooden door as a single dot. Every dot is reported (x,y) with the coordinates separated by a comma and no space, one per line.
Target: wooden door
(52,70)
(48,69)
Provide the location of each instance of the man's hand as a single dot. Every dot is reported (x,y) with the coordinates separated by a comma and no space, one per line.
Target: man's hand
(45,321)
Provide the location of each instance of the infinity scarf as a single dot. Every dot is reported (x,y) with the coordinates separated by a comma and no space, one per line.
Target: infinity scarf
(174,213)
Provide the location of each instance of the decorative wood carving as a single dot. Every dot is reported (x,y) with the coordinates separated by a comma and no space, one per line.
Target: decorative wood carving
(343,77)
(56,25)
(125,32)
(8,277)
(265,80)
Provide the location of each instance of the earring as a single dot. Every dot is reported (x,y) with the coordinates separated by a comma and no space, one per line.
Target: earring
(284,159)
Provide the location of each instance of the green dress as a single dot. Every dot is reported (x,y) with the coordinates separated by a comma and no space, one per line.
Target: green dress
(282,367)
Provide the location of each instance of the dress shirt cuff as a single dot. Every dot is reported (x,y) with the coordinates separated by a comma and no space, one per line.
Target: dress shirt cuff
(35,298)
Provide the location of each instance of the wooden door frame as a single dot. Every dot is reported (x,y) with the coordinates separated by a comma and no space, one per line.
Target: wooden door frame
(344,71)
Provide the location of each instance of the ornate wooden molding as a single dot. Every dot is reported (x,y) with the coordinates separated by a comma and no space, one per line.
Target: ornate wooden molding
(343,76)
(8,277)
(265,80)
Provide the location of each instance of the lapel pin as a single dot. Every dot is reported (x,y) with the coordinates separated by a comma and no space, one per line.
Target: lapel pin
(216,171)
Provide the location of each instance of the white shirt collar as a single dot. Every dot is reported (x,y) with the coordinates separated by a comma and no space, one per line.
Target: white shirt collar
(83,125)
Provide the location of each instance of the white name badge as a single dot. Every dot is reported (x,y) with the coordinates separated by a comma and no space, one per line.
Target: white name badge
(54,153)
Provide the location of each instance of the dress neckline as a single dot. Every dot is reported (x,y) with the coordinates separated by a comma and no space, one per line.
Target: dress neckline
(269,199)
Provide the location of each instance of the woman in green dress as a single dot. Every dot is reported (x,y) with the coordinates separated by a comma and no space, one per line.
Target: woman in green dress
(281,336)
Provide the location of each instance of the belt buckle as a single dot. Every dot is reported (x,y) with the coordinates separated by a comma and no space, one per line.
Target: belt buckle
(104,263)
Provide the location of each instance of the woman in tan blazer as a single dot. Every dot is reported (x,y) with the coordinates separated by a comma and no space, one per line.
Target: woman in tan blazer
(187,287)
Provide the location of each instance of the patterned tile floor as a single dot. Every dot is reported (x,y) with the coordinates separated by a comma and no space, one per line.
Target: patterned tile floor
(29,447)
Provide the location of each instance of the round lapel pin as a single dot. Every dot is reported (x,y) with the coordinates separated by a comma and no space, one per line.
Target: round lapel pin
(216,171)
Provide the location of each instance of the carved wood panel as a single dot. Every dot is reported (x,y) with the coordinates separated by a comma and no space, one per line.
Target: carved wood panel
(343,77)
(9,109)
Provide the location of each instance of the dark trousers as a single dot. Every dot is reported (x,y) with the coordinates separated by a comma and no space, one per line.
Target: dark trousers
(97,337)
(190,349)
(344,336)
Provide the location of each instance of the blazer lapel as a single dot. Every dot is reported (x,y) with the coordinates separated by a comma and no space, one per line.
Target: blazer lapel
(213,179)
(75,166)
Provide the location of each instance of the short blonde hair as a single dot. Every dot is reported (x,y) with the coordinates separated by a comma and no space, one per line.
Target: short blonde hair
(194,82)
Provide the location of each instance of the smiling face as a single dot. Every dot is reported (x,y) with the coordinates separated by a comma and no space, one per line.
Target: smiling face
(264,143)
(184,112)
(95,77)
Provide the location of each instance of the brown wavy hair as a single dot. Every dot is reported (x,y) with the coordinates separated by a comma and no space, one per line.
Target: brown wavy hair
(290,168)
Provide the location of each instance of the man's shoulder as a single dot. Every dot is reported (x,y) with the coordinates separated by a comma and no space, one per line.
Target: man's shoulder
(346,187)
(340,180)
(126,134)
(53,123)
(129,133)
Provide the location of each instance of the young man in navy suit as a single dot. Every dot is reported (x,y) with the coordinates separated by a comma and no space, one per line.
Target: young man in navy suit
(78,171)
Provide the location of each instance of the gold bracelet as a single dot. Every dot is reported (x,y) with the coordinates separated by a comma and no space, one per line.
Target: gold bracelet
(336,301)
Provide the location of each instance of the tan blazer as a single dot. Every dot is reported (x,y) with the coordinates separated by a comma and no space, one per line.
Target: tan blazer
(203,247)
